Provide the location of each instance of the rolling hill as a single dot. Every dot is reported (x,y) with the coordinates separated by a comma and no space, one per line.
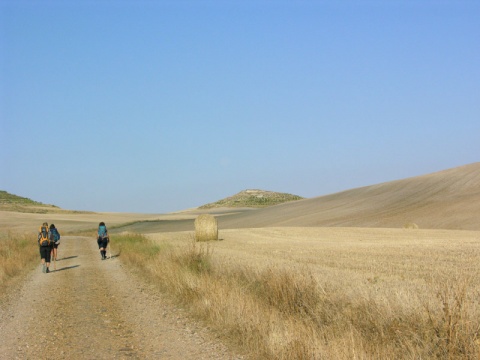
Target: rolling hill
(253,198)
(448,199)
(11,202)
(8,199)
(15,203)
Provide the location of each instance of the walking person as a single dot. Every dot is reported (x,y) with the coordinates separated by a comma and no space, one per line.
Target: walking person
(103,239)
(44,246)
(54,237)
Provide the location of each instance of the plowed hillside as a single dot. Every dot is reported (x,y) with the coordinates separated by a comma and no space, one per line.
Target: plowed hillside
(448,199)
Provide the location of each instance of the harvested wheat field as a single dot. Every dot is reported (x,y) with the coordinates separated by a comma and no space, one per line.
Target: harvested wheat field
(383,272)
(374,293)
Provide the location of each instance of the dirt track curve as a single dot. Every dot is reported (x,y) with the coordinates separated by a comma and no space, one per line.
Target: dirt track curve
(94,309)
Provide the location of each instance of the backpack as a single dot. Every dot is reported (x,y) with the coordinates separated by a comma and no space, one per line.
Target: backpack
(54,236)
(102,232)
(43,238)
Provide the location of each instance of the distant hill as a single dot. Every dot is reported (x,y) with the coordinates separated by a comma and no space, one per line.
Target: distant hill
(11,202)
(253,198)
(448,199)
(10,199)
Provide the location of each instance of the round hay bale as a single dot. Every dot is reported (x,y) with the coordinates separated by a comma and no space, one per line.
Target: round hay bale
(206,228)
(410,226)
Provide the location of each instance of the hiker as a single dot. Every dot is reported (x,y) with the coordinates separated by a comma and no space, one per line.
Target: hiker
(54,237)
(103,239)
(44,245)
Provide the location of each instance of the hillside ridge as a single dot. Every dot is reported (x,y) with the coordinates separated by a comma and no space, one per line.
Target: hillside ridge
(16,203)
(255,198)
(7,198)
(12,202)
(448,199)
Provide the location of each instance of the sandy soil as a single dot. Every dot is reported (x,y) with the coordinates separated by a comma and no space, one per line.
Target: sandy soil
(93,309)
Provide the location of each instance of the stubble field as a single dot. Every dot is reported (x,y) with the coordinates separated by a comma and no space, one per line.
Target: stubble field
(352,292)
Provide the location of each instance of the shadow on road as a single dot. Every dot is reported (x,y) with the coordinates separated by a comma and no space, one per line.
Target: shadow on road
(68,257)
(65,268)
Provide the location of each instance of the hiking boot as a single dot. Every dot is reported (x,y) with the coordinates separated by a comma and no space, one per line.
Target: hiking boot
(44,268)
(47,271)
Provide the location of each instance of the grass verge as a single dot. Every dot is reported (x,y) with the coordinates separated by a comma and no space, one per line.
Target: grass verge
(287,313)
(17,254)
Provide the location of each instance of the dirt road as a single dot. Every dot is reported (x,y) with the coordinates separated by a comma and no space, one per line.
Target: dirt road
(94,309)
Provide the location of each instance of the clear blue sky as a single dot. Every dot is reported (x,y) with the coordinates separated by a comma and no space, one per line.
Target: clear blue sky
(159,106)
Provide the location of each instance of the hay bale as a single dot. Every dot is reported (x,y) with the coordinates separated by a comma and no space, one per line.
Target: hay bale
(410,226)
(206,228)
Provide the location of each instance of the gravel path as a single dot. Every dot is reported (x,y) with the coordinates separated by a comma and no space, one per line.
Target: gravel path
(94,309)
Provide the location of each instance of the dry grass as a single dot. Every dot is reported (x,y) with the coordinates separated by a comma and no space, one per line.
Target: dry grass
(327,293)
(17,255)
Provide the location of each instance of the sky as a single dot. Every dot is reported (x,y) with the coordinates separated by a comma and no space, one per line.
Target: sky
(160,106)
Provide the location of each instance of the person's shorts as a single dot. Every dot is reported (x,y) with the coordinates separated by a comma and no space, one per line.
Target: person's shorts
(102,243)
(55,246)
(45,253)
